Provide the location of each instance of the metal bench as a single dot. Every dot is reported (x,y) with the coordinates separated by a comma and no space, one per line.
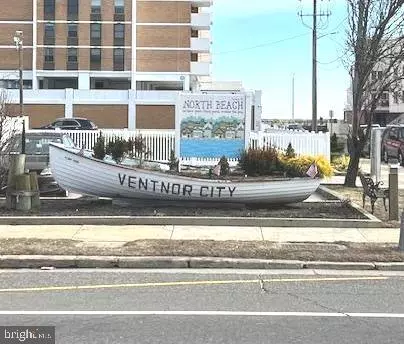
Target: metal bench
(373,191)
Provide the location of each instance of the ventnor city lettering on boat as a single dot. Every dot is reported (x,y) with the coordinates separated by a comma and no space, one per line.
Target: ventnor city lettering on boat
(156,186)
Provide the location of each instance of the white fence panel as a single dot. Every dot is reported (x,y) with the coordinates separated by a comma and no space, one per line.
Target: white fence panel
(304,143)
(160,143)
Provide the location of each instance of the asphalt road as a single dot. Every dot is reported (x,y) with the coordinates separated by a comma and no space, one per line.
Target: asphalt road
(128,306)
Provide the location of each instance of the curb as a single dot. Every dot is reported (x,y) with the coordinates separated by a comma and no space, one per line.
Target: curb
(159,262)
(370,222)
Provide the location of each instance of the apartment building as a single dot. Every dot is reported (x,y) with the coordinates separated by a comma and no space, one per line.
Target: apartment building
(120,63)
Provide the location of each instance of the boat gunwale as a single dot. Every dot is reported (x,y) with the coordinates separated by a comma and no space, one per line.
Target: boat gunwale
(182,177)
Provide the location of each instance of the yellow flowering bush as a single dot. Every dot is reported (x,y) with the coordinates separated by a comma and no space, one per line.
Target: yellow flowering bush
(298,166)
(340,163)
(269,161)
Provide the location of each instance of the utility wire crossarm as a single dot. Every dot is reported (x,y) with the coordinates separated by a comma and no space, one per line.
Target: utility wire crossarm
(314,15)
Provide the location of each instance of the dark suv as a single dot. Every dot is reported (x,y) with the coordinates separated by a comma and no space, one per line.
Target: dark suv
(393,143)
(75,123)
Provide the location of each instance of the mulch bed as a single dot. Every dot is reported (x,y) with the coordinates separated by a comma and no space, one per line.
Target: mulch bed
(91,207)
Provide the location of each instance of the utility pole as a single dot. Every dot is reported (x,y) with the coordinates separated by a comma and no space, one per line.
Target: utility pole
(314,71)
(18,40)
(314,28)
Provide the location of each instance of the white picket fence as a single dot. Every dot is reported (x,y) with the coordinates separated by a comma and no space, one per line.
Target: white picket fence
(161,142)
(158,142)
(303,142)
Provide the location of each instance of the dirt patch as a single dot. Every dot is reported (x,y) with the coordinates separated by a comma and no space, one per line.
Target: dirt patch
(355,195)
(346,252)
(91,207)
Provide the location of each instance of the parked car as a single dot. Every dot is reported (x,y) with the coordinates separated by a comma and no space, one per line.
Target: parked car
(37,148)
(393,143)
(76,123)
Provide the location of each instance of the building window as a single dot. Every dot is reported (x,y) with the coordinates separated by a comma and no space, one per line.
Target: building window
(396,96)
(49,59)
(194,57)
(72,58)
(72,55)
(95,58)
(72,36)
(95,34)
(49,34)
(95,6)
(119,6)
(49,55)
(73,9)
(119,34)
(194,33)
(49,9)
(119,59)
(72,30)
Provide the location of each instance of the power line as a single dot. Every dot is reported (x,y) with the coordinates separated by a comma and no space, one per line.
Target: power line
(260,45)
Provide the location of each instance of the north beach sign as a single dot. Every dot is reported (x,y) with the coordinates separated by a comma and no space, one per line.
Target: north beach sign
(211,125)
(208,105)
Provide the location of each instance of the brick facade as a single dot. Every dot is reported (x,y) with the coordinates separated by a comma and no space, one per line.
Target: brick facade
(43,114)
(155,117)
(163,42)
(104,116)
(163,11)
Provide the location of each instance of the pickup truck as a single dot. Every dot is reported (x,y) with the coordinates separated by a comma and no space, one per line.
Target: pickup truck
(37,148)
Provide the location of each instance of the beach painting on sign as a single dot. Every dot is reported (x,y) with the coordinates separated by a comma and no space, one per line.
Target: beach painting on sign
(212,125)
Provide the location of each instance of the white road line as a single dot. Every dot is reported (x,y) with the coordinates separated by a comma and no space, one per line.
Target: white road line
(210,313)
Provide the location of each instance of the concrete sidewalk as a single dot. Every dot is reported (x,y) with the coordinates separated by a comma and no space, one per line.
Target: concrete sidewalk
(119,235)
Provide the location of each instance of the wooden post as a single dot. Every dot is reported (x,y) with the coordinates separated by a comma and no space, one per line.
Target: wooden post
(393,193)
(35,200)
(23,183)
(17,166)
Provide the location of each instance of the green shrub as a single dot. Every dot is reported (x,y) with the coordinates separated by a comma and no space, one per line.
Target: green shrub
(260,162)
(290,152)
(335,145)
(174,162)
(99,148)
(224,166)
(119,148)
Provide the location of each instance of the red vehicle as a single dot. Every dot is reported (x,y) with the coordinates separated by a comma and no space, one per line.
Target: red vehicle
(393,143)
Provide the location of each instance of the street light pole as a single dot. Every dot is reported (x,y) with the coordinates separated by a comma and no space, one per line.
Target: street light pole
(18,40)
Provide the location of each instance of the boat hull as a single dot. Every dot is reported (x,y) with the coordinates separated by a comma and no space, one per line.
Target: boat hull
(90,176)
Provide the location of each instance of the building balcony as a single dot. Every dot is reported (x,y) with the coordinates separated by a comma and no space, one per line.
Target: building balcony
(202,3)
(92,96)
(200,68)
(201,21)
(200,45)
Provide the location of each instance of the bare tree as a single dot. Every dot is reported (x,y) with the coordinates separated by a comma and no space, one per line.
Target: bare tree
(375,44)
(9,126)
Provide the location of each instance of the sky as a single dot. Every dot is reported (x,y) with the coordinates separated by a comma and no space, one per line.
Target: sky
(263,43)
